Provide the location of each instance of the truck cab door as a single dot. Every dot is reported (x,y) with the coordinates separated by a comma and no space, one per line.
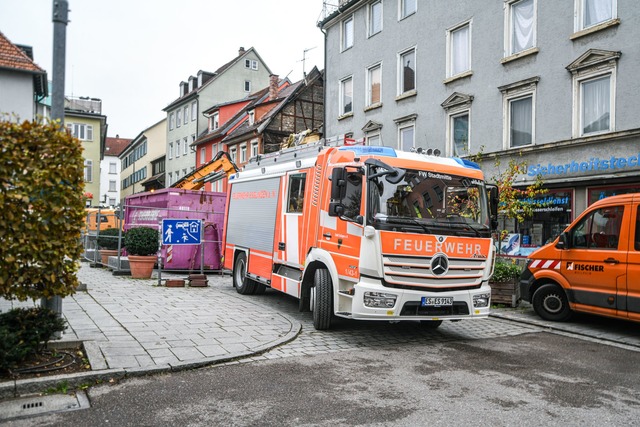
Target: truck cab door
(596,263)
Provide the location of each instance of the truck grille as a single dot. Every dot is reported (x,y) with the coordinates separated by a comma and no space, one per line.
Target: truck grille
(415,273)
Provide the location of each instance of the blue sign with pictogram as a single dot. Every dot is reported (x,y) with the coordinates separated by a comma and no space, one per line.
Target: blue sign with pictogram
(181,231)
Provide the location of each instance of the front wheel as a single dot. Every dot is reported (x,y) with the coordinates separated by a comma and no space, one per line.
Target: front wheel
(550,302)
(243,284)
(430,324)
(322,299)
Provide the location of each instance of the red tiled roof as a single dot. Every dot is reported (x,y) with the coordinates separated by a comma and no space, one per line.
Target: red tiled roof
(115,146)
(13,57)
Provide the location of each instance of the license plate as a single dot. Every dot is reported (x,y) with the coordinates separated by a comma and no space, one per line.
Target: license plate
(436,301)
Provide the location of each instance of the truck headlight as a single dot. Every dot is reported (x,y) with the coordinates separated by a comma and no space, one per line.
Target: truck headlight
(379,300)
(481,300)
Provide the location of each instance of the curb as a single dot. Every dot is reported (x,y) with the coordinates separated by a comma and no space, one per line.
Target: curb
(18,388)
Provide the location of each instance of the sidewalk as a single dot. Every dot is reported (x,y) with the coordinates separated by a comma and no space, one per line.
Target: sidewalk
(134,327)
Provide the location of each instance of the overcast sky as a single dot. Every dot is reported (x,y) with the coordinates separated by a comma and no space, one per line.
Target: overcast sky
(133,54)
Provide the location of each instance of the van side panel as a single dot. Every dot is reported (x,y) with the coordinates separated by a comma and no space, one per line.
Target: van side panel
(633,264)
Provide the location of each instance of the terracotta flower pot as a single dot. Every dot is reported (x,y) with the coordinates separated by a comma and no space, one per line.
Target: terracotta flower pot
(105,254)
(141,266)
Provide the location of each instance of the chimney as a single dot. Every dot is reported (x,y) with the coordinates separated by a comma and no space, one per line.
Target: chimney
(273,87)
(241,51)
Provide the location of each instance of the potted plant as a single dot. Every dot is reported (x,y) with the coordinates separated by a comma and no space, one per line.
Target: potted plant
(142,246)
(504,282)
(108,240)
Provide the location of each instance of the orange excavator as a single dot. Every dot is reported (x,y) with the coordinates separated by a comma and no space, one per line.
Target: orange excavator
(221,166)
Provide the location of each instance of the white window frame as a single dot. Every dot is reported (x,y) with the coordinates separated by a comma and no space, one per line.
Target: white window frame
(370,30)
(170,178)
(450,133)
(403,126)
(369,101)
(251,114)
(254,148)
(401,7)
(81,131)
(247,85)
(509,24)
(112,185)
(170,150)
(215,121)
(88,170)
(251,64)
(233,154)
(341,101)
(578,115)
(401,54)
(345,42)
(185,147)
(185,114)
(451,51)
(515,93)
(580,6)
(374,136)
(203,155)
(194,110)
(178,117)
(113,167)
(177,149)
(172,122)
(243,153)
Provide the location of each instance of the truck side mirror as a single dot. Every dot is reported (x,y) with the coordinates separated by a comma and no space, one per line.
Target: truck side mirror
(563,241)
(494,201)
(338,183)
(336,209)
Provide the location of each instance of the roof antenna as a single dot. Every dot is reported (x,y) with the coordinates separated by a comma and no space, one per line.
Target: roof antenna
(304,58)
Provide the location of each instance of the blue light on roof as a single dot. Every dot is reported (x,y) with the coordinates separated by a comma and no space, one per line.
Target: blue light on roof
(467,163)
(367,150)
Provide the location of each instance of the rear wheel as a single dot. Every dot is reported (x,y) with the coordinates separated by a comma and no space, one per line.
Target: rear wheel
(243,284)
(322,299)
(551,303)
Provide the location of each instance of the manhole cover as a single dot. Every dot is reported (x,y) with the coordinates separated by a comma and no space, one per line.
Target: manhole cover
(38,405)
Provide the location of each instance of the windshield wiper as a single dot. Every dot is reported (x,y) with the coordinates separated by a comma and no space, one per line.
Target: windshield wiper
(408,221)
(467,226)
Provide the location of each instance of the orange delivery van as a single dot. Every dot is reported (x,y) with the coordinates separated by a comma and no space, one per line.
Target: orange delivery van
(592,267)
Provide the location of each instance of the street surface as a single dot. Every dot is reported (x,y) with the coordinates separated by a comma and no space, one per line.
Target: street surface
(361,373)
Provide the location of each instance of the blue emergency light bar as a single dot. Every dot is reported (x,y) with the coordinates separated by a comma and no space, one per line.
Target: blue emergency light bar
(367,150)
(467,163)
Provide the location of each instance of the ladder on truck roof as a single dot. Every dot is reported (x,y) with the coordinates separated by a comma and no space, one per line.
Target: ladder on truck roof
(302,151)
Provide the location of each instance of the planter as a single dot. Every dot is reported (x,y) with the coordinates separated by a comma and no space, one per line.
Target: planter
(105,254)
(142,266)
(174,283)
(507,293)
(198,281)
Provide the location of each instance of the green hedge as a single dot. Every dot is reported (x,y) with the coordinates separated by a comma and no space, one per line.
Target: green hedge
(41,191)
(505,270)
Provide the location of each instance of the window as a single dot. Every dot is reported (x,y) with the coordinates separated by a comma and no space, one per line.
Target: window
(520,121)
(214,123)
(521,26)
(347,33)
(177,176)
(374,80)
(375,18)
(247,86)
(296,192)
(243,153)
(598,230)
(460,134)
(595,105)
(251,114)
(254,148)
(203,155)
(185,146)
(194,110)
(186,114)
(374,140)
(407,71)
(81,131)
(113,167)
(184,172)
(346,96)
(594,92)
(88,170)
(112,185)
(252,64)
(172,121)
(459,50)
(233,154)
(406,140)
(112,201)
(170,178)
(590,13)
(178,118)
(178,148)
(170,150)
(407,7)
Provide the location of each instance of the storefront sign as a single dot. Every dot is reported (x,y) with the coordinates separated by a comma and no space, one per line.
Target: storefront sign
(594,164)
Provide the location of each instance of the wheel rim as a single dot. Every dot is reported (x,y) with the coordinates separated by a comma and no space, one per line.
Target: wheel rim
(240,272)
(552,303)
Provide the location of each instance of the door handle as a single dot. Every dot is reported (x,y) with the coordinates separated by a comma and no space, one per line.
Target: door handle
(611,261)
(327,235)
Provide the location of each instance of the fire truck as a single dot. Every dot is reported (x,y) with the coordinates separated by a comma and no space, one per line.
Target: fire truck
(363,232)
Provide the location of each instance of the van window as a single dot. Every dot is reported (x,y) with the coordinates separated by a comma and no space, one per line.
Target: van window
(599,229)
(296,192)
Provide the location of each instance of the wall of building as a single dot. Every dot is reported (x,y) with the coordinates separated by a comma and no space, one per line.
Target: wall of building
(16,95)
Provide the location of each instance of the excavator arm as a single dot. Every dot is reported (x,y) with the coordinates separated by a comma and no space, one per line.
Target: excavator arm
(221,166)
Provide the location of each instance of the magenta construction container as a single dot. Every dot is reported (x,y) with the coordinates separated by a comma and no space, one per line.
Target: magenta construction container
(150,208)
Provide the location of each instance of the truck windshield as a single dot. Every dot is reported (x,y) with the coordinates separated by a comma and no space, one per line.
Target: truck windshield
(429,202)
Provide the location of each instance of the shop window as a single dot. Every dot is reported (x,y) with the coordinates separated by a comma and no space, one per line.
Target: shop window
(599,193)
(296,192)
